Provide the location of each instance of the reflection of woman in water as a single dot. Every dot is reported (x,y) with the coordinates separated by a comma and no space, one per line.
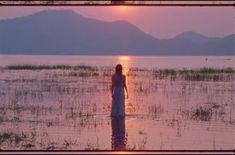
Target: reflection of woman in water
(118,97)
(119,138)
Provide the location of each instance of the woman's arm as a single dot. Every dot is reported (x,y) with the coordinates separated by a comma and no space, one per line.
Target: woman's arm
(125,86)
(112,86)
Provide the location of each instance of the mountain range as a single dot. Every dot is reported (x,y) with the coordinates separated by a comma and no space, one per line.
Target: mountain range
(64,32)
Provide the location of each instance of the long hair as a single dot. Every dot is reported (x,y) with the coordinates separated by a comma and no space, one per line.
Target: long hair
(118,69)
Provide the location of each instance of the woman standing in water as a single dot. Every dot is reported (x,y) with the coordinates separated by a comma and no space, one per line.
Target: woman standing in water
(117,90)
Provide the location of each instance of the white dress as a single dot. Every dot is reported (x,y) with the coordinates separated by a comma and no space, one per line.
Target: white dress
(118,101)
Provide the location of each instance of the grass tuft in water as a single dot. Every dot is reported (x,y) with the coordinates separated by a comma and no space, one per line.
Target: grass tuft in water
(202,113)
(12,138)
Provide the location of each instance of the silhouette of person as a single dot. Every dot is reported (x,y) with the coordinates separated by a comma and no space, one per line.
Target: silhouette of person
(117,91)
(118,133)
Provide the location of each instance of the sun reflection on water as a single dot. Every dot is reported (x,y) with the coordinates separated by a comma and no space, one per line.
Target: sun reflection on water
(125,61)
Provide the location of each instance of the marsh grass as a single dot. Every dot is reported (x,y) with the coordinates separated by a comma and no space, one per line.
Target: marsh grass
(165,73)
(11,138)
(209,111)
(202,74)
(68,71)
(82,74)
(155,109)
(49,67)
(36,67)
(202,113)
(5,136)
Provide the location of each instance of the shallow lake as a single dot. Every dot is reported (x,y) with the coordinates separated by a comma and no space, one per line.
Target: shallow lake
(69,108)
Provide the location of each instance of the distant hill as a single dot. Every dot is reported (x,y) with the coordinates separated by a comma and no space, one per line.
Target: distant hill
(68,33)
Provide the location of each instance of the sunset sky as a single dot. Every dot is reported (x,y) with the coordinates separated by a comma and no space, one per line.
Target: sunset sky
(161,22)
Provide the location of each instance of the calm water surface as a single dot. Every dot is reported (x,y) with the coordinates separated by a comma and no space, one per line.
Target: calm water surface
(131,61)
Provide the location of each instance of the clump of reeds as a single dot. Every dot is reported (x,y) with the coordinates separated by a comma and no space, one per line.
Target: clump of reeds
(12,138)
(206,112)
(202,74)
(155,109)
(82,74)
(85,67)
(5,136)
(165,73)
(135,69)
(202,113)
(208,74)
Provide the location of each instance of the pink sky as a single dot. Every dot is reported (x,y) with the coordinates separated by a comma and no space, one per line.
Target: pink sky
(161,22)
